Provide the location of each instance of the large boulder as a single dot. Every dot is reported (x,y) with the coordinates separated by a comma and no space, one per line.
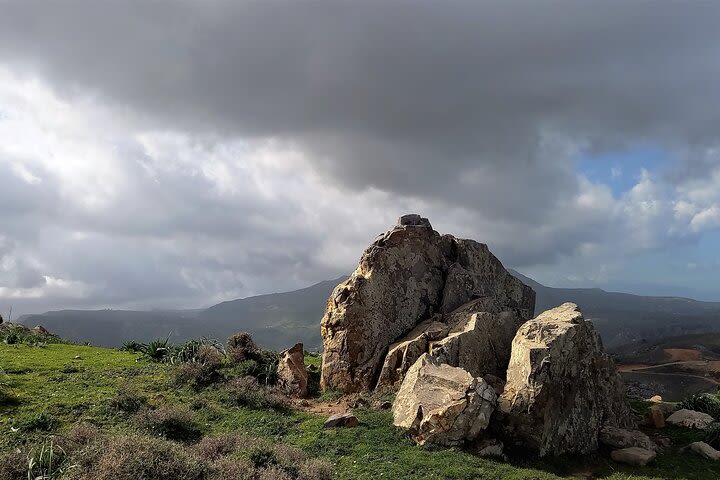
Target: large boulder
(292,373)
(441,404)
(561,386)
(407,276)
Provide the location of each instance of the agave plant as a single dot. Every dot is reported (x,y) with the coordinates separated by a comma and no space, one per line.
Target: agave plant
(157,350)
(132,346)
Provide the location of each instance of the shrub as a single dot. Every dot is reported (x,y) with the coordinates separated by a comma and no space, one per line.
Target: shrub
(246,392)
(241,347)
(232,469)
(13,465)
(129,457)
(197,350)
(128,401)
(703,402)
(170,422)
(315,469)
(195,375)
(82,434)
(712,435)
(273,473)
(221,445)
(263,457)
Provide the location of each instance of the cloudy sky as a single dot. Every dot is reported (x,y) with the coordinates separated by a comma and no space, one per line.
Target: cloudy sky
(174,154)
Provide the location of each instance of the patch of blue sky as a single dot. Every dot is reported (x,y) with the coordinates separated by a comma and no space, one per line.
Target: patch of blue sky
(621,170)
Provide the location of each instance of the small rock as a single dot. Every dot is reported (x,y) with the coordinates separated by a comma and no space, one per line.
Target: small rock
(77,357)
(386,405)
(663,442)
(491,448)
(655,399)
(621,438)
(347,420)
(704,450)
(689,418)
(41,330)
(636,456)
(656,416)
(292,374)
(360,403)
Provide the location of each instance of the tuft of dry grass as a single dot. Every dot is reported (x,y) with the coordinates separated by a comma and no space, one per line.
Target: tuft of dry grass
(172,423)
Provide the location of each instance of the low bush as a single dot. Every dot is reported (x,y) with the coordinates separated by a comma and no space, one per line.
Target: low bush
(314,469)
(13,465)
(232,469)
(128,401)
(247,392)
(703,402)
(169,422)
(82,434)
(202,370)
(219,446)
(712,435)
(129,457)
(241,347)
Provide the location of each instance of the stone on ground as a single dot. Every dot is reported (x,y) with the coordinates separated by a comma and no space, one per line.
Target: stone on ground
(656,416)
(622,438)
(292,373)
(689,418)
(561,386)
(346,420)
(441,404)
(635,456)
(704,450)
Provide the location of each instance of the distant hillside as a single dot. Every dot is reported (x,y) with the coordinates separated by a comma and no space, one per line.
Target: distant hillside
(622,318)
(280,319)
(276,320)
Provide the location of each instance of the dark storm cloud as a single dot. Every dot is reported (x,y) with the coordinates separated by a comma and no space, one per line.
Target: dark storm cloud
(473,107)
(405,96)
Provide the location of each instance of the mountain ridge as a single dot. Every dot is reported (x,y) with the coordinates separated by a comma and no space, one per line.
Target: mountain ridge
(278,320)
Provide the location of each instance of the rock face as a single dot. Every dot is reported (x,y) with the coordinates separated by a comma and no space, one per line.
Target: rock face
(403,354)
(441,404)
(292,374)
(479,342)
(407,276)
(561,387)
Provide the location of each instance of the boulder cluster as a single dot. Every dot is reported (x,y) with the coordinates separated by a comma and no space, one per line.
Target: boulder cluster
(440,321)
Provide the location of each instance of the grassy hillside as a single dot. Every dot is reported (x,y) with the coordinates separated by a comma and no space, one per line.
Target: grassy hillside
(52,392)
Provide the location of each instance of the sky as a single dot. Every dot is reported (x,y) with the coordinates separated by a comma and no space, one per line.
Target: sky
(173,154)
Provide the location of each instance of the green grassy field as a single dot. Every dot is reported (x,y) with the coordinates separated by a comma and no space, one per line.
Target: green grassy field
(50,388)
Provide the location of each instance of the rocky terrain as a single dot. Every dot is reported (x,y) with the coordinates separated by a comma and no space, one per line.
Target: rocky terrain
(442,322)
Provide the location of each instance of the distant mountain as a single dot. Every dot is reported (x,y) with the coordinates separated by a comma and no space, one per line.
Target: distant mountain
(279,320)
(623,318)
(276,320)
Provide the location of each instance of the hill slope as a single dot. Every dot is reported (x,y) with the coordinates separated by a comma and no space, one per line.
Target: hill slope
(280,319)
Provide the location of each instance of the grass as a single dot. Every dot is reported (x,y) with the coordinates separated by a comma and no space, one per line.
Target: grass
(55,386)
